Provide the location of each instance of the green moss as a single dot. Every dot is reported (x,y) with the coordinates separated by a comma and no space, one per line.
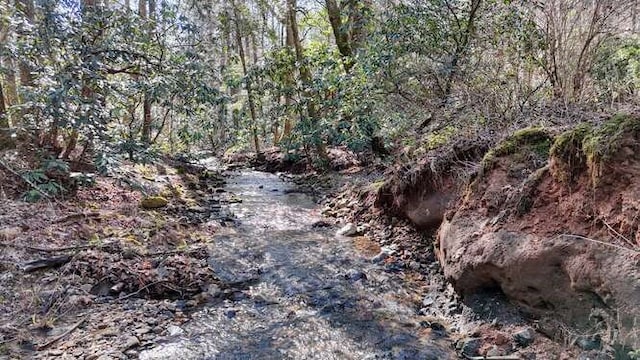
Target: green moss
(591,147)
(441,137)
(530,140)
(568,154)
(605,141)
(377,185)
(153,202)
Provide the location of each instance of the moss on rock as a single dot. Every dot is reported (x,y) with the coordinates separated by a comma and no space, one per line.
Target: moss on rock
(153,202)
(567,154)
(589,147)
(534,140)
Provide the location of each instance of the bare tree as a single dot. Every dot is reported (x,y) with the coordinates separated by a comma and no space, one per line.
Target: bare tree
(574,30)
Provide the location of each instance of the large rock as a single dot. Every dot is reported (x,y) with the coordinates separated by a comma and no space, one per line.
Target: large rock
(153,202)
(564,246)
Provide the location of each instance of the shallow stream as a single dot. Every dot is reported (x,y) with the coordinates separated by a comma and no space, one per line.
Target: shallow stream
(306,293)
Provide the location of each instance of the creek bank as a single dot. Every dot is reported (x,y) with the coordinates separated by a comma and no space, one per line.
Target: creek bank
(129,275)
(485,324)
(546,217)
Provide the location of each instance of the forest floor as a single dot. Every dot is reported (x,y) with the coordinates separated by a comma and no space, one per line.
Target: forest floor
(97,276)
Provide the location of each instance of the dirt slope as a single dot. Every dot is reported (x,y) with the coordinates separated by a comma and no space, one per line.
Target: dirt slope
(561,237)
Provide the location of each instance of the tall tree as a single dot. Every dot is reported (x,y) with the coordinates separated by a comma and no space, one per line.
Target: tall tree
(340,33)
(307,81)
(239,26)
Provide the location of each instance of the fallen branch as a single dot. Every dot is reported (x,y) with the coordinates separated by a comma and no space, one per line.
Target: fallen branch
(629,242)
(64,334)
(46,263)
(506,357)
(29,182)
(141,290)
(58,249)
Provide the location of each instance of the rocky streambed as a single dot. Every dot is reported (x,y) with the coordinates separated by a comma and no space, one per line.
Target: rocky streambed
(306,292)
(251,270)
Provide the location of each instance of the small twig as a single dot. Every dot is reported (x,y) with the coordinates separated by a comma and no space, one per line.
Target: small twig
(141,290)
(58,249)
(507,357)
(64,334)
(599,242)
(173,252)
(619,235)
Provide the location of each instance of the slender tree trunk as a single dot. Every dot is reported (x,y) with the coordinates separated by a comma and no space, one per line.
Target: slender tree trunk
(359,11)
(5,130)
(27,7)
(289,83)
(340,33)
(147,119)
(305,77)
(250,95)
(461,48)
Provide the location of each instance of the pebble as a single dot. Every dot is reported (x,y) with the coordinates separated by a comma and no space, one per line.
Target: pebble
(355,275)
(524,337)
(130,342)
(589,343)
(143,330)
(175,330)
(470,346)
(348,230)
(56,352)
(230,314)
(428,301)
(382,256)
(494,351)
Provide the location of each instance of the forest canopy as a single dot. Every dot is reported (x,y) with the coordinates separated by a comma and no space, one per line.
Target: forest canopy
(98,80)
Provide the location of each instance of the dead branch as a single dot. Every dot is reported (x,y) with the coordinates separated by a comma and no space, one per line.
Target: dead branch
(64,334)
(27,181)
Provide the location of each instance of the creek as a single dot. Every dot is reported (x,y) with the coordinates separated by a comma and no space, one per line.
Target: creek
(307,293)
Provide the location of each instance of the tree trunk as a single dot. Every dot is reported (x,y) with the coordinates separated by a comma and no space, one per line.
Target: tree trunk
(27,7)
(250,98)
(5,130)
(305,77)
(147,119)
(289,82)
(340,33)
(359,11)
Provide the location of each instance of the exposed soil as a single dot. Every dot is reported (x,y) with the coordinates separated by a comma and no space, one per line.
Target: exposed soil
(484,324)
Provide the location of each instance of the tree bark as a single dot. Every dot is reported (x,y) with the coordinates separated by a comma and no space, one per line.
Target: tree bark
(250,95)
(147,119)
(27,7)
(5,130)
(340,33)
(305,77)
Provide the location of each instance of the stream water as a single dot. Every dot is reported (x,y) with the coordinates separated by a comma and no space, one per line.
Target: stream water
(307,293)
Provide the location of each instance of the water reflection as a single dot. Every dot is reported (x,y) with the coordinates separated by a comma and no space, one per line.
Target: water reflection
(311,295)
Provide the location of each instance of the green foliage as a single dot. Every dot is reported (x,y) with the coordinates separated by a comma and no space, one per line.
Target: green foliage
(45,180)
(441,137)
(617,69)
(533,140)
